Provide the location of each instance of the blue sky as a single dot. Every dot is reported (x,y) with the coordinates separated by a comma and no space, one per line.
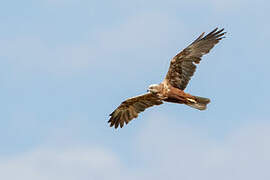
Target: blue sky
(66,64)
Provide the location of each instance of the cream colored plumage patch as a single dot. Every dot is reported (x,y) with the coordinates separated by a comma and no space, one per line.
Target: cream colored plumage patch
(191,100)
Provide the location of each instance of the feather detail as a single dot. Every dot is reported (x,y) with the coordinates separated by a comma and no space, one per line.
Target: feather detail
(183,65)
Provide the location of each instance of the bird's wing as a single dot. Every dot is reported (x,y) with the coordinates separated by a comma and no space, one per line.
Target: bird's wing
(131,107)
(182,66)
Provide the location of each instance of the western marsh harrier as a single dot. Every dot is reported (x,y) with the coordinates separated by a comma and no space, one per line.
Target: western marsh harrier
(171,89)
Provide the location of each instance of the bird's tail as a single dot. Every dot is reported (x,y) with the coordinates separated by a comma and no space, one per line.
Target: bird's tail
(198,102)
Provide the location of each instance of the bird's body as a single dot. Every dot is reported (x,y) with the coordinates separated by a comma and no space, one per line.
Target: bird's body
(171,89)
(168,93)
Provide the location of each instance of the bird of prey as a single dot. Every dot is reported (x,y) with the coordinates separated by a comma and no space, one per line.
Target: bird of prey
(171,89)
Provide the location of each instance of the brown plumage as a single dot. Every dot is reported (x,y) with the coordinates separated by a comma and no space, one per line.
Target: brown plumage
(131,107)
(182,68)
(183,65)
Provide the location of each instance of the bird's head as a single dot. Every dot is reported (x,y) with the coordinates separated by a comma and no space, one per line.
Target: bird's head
(153,88)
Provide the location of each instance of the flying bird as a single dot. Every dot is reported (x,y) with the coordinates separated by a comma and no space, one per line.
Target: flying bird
(171,89)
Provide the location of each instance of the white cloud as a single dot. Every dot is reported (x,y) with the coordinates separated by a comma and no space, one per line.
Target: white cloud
(188,153)
(69,164)
(34,54)
(228,5)
(164,150)
(143,33)
(59,2)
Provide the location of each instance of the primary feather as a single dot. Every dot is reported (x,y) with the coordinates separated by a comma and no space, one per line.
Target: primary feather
(183,65)
(130,108)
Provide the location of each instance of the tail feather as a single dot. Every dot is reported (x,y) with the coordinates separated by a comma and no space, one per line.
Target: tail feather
(200,103)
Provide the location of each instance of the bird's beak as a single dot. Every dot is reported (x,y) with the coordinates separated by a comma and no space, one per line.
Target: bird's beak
(147,90)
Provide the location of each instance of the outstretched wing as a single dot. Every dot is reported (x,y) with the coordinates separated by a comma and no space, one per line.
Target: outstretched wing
(182,66)
(131,107)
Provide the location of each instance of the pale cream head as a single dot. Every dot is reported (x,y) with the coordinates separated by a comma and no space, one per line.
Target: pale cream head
(153,88)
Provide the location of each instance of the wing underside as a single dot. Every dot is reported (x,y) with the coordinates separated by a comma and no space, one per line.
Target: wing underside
(130,108)
(183,65)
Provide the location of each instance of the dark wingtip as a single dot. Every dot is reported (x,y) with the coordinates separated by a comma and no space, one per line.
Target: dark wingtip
(221,30)
(217,34)
(111,113)
(113,119)
(215,29)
